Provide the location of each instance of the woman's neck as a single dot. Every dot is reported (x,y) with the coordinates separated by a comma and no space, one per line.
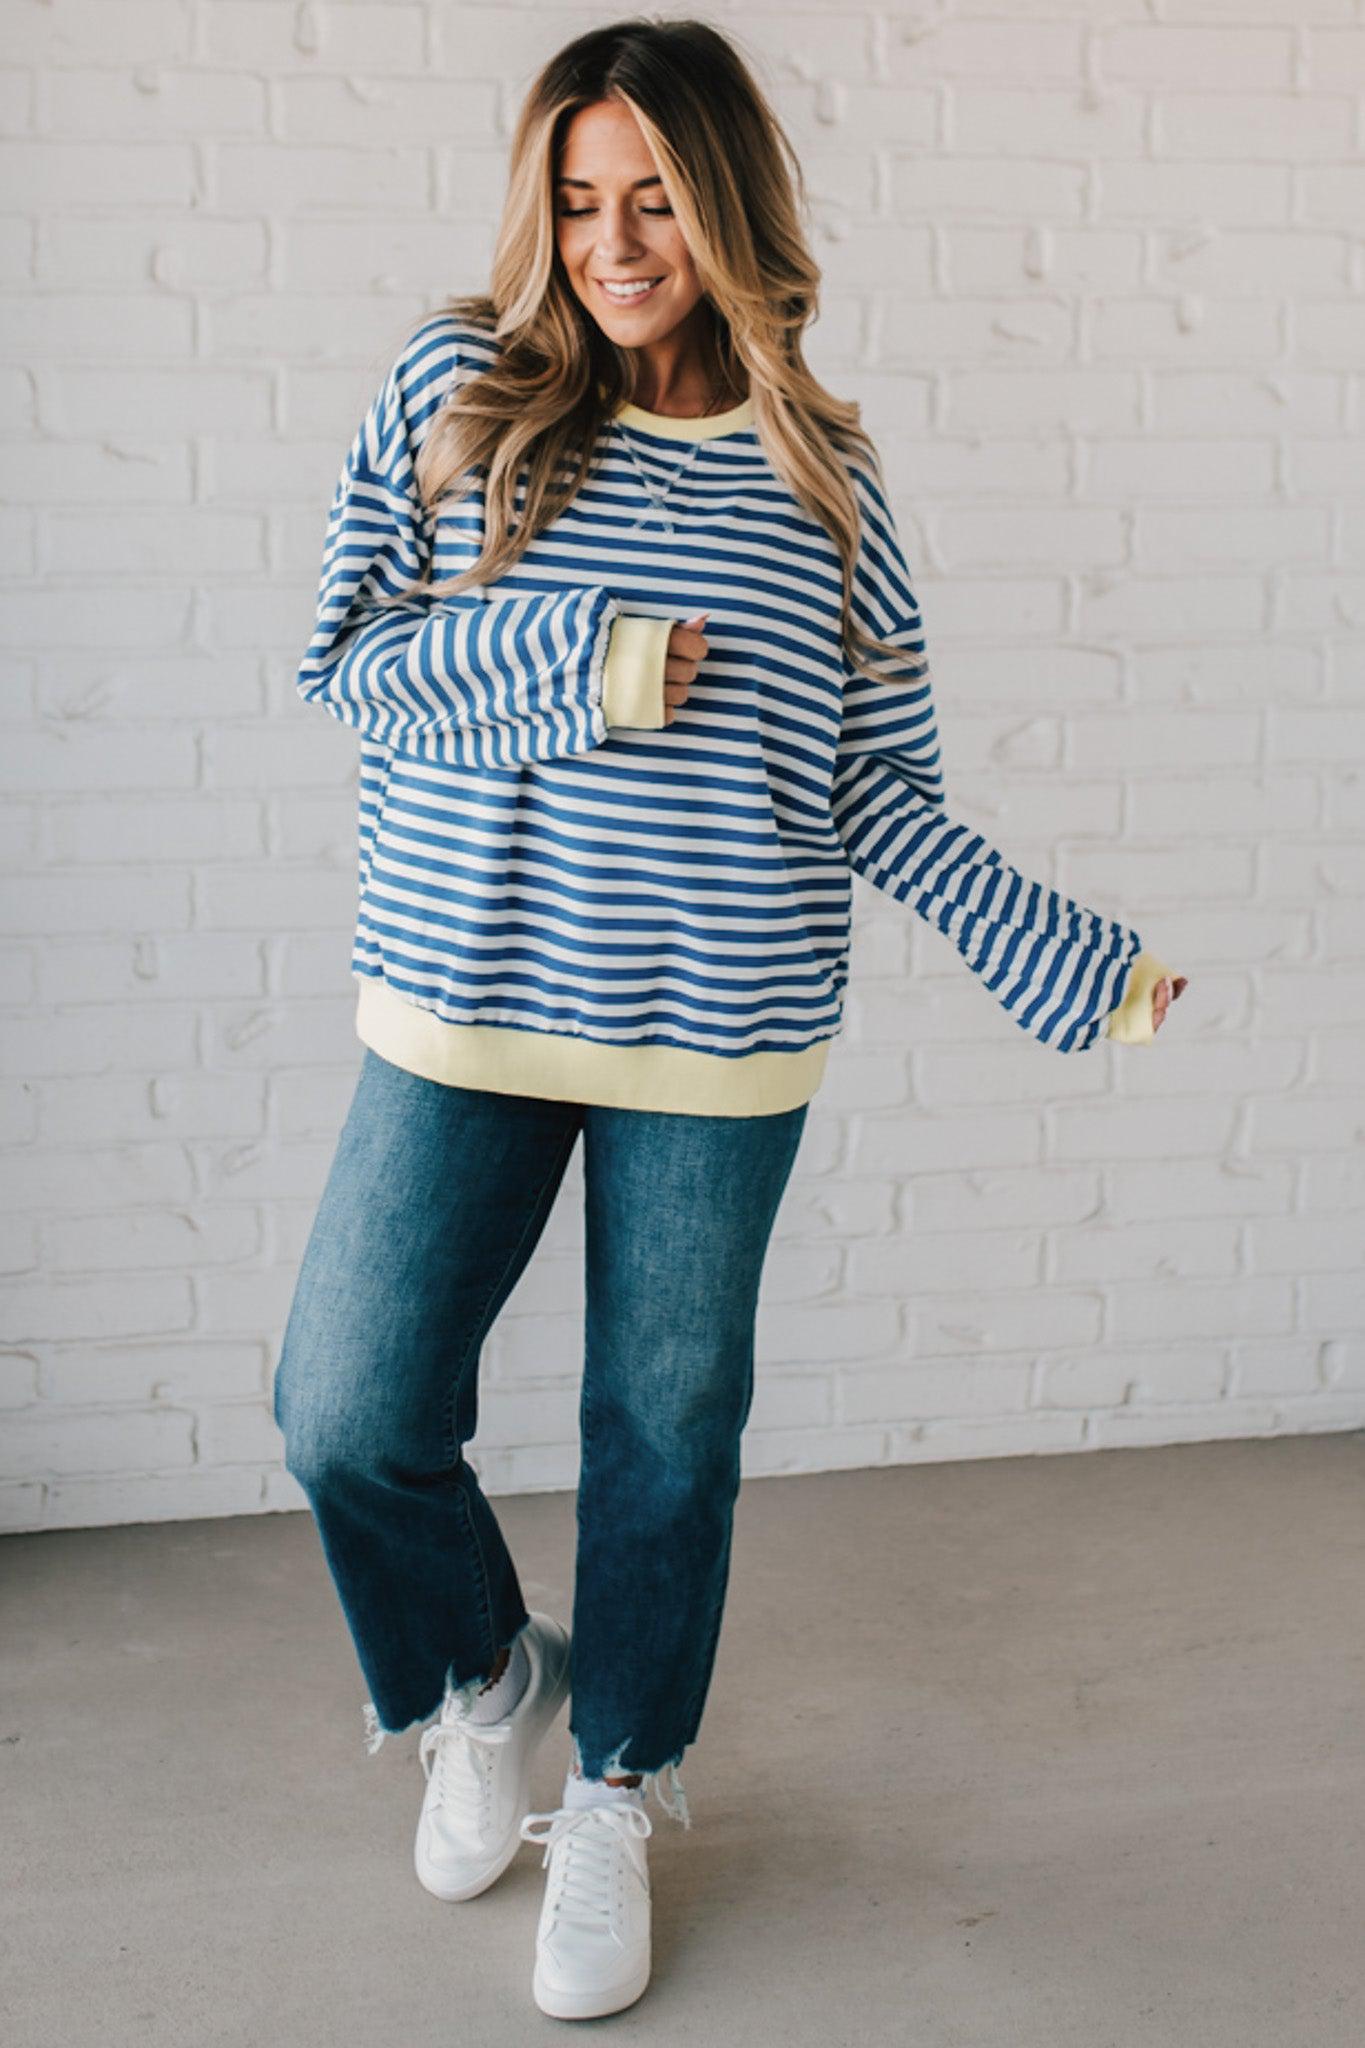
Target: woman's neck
(682,386)
(683,407)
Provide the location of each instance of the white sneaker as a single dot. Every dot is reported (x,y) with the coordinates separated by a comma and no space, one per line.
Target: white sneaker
(593,1940)
(478,1773)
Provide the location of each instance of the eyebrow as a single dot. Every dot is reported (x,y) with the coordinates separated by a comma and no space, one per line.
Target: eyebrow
(587,183)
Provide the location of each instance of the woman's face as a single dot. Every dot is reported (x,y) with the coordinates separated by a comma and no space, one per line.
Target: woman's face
(613,225)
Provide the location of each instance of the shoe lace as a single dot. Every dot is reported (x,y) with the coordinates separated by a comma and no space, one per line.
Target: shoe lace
(590,1841)
(458,1752)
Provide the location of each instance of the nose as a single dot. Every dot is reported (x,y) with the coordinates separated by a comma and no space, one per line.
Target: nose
(614,242)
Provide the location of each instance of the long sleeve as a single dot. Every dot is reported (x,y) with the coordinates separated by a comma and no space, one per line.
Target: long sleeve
(1057,968)
(473,681)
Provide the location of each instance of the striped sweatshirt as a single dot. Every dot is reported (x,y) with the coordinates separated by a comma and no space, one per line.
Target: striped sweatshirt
(560,895)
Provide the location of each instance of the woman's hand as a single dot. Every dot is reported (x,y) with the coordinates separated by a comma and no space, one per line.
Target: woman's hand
(687,649)
(1163,995)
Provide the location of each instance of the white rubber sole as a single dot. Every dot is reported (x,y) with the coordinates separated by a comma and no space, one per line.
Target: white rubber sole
(439,1882)
(589,2004)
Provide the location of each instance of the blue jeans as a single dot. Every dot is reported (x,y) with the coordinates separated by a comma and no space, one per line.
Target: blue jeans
(433,1205)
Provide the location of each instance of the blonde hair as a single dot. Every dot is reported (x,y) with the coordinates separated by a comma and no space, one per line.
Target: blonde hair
(737,191)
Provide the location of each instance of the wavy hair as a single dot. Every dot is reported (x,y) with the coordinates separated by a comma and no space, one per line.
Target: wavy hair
(736,188)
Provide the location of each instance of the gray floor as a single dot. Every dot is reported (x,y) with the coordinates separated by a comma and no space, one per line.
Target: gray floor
(1015,1754)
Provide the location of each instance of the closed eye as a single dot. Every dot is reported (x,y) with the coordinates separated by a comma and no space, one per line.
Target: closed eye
(577,212)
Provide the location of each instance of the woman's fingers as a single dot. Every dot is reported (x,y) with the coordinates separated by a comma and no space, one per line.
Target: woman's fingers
(687,639)
(687,649)
(1164,994)
(687,646)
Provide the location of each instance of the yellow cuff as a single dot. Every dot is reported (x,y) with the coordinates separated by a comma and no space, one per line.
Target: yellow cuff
(1131,1022)
(633,673)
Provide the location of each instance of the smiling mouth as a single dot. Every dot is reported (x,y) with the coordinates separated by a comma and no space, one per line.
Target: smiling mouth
(627,295)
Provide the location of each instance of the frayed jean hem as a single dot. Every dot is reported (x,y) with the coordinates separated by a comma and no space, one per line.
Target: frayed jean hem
(673,1802)
(452,1689)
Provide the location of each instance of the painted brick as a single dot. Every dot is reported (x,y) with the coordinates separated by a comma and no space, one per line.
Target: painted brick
(1096,284)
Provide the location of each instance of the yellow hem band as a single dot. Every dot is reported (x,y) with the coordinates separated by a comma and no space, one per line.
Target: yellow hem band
(561,1068)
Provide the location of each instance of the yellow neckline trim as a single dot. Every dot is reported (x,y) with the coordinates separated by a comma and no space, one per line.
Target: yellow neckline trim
(702,427)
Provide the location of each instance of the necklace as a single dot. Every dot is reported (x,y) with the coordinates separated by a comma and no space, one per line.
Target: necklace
(652,491)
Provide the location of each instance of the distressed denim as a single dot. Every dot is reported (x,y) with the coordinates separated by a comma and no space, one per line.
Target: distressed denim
(434,1202)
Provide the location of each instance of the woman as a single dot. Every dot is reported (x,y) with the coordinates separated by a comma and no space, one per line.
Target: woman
(613,596)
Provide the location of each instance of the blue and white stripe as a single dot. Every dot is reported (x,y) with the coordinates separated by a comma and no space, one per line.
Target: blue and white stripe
(522,865)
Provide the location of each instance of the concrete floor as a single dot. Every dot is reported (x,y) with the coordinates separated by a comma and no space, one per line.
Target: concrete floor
(1032,1753)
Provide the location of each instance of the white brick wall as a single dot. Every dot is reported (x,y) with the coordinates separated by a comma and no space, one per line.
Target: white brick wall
(1100,283)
